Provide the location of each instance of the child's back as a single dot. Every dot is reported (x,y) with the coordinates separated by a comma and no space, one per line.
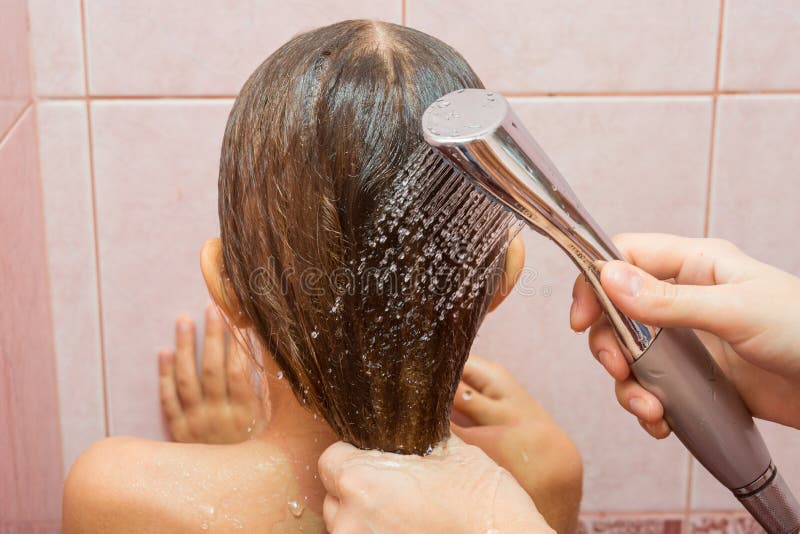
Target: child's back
(267,484)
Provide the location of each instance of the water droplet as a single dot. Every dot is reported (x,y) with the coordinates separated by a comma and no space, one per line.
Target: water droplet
(467,395)
(428,450)
(314,334)
(280,375)
(555,187)
(296,508)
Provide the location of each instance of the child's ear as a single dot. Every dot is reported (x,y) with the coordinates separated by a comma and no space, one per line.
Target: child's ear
(218,284)
(515,260)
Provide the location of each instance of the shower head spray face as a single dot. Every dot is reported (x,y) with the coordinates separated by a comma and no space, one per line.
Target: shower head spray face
(481,137)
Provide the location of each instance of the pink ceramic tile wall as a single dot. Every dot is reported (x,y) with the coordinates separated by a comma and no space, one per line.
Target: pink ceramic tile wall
(665,116)
(30,463)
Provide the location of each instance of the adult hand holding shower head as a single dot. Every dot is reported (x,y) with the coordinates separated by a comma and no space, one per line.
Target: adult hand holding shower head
(478,132)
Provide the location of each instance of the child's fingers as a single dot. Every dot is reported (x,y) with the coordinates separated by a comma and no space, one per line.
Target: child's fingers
(477,406)
(170,405)
(241,389)
(488,377)
(479,373)
(185,365)
(214,356)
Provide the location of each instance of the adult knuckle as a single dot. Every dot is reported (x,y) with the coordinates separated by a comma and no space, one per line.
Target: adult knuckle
(724,246)
(349,482)
(667,294)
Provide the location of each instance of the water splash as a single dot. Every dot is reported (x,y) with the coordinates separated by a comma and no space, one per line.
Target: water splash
(438,237)
(295,508)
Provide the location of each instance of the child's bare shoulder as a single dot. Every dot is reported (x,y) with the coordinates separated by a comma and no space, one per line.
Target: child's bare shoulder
(124,484)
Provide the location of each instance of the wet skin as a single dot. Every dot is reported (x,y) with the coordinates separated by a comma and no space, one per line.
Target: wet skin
(228,476)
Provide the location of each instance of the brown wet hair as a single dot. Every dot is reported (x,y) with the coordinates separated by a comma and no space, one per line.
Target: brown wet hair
(322,139)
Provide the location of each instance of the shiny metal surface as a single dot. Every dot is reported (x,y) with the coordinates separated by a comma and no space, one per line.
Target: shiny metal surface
(774,507)
(758,483)
(478,131)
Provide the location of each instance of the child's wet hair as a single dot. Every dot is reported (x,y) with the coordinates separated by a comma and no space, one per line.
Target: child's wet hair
(348,296)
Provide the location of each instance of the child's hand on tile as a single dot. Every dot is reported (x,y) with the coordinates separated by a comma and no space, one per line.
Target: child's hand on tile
(517,433)
(223,406)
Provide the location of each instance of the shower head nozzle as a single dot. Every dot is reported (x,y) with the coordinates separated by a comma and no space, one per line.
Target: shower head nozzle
(478,132)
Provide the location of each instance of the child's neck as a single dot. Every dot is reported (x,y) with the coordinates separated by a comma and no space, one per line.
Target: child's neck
(288,418)
(300,435)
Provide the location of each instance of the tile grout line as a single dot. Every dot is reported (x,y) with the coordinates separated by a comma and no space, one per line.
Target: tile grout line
(137,97)
(98,284)
(509,94)
(714,106)
(707,214)
(633,514)
(4,135)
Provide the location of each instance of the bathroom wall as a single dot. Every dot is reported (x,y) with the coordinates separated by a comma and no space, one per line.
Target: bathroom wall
(679,116)
(30,446)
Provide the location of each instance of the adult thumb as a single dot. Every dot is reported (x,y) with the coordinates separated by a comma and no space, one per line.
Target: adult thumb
(644,298)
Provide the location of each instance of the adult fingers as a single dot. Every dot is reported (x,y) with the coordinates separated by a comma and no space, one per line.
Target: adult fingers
(585,309)
(330,507)
(605,347)
(644,405)
(649,300)
(331,462)
(213,366)
(666,256)
(185,363)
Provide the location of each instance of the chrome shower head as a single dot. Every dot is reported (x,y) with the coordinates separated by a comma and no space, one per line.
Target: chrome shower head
(478,132)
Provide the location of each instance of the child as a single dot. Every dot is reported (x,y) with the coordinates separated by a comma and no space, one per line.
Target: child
(348,271)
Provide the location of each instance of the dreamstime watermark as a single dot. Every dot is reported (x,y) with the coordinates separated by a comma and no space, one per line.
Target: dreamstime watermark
(391,280)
